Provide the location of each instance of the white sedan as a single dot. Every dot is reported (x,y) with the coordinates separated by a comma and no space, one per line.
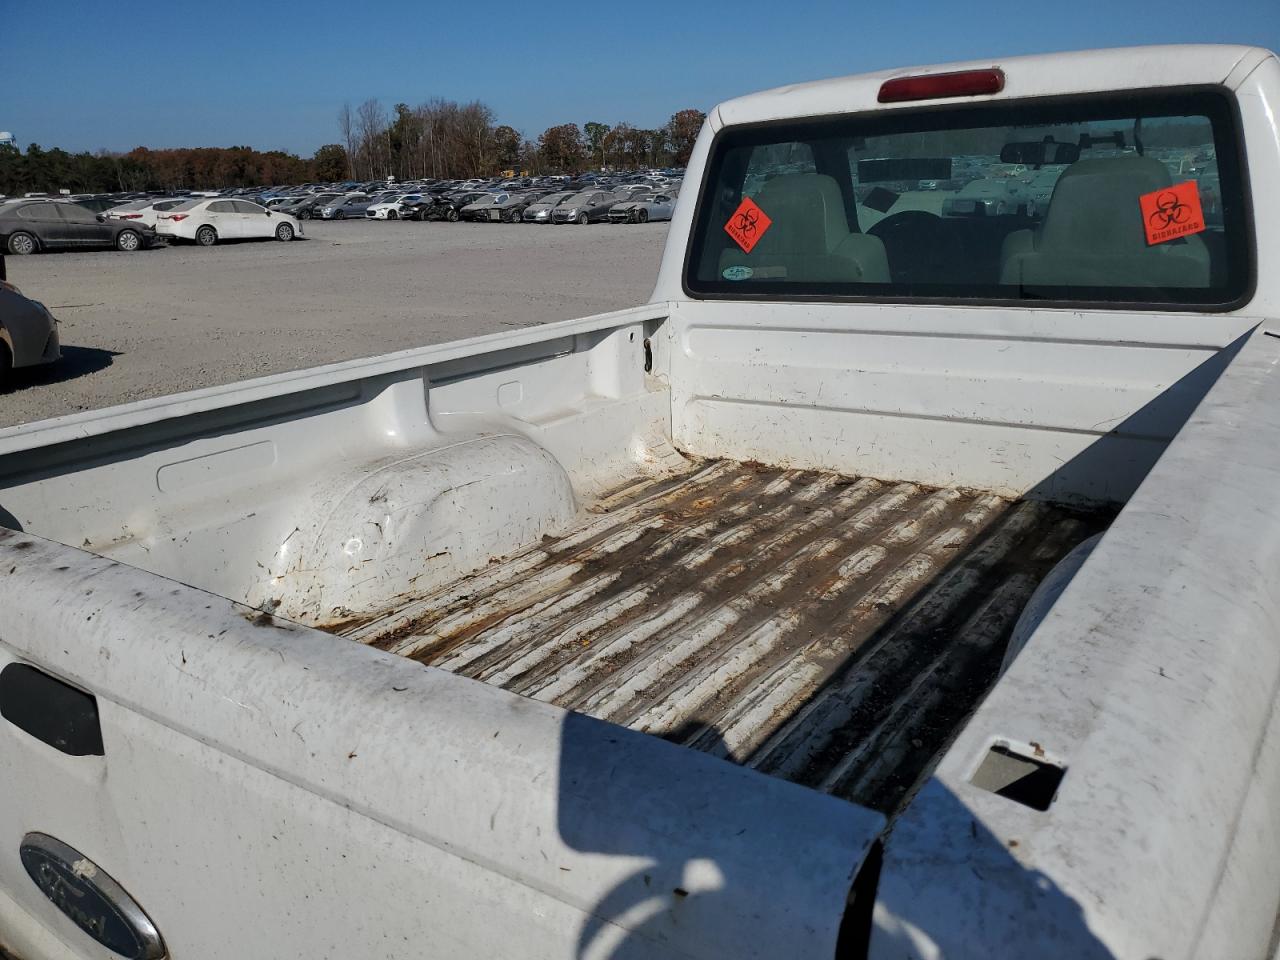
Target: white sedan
(391,208)
(206,221)
(144,211)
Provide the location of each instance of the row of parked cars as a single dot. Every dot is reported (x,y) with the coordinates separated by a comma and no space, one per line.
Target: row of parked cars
(30,225)
(637,200)
(134,222)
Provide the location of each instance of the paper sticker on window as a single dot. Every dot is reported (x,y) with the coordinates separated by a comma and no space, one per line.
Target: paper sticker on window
(1172,212)
(747,225)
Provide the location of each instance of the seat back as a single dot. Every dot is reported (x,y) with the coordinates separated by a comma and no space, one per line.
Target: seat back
(1093,233)
(809,238)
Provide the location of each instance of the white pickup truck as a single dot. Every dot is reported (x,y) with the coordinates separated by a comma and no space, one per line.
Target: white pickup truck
(902,581)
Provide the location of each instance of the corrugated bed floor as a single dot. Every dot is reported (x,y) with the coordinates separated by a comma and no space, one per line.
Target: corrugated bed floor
(831,630)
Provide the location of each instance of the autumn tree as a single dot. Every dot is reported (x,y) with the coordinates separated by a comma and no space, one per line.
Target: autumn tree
(506,147)
(682,131)
(529,158)
(330,162)
(560,149)
(614,145)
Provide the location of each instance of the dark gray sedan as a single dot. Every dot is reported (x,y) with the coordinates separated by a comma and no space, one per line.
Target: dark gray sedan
(28,333)
(52,225)
(350,207)
(591,206)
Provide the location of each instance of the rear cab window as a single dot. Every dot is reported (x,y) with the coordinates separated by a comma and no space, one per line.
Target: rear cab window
(1134,199)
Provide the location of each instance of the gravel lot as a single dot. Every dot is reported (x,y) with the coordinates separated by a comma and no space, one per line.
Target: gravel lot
(159,321)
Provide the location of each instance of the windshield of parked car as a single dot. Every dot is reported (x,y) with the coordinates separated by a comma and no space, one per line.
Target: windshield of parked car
(831,208)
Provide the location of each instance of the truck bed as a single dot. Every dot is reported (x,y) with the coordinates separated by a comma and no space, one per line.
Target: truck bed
(828,629)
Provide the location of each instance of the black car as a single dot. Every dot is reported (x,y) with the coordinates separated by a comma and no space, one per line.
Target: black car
(418,209)
(51,225)
(304,208)
(446,207)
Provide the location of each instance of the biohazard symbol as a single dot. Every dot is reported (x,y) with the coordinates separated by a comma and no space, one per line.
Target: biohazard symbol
(1172,212)
(747,224)
(1169,211)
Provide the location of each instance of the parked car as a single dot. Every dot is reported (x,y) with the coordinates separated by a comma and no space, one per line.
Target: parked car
(418,209)
(28,333)
(391,208)
(305,207)
(505,207)
(643,209)
(346,208)
(989,197)
(449,207)
(587,207)
(55,224)
(209,221)
(144,211)
(540,210)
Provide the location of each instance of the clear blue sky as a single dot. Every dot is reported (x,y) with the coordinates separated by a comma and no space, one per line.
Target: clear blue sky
(91,74)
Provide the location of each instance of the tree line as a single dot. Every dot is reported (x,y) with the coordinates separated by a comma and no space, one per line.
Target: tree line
(438,138)
(442,138)
(193,168)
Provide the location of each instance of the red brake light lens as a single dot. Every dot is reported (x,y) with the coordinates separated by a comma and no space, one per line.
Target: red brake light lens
(178,216)
(130,216)
(963,83)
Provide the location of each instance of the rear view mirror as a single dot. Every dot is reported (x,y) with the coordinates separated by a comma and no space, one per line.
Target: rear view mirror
(1036,153)
(101,218)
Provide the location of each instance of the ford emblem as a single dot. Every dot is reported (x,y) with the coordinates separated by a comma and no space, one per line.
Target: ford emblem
(95,903)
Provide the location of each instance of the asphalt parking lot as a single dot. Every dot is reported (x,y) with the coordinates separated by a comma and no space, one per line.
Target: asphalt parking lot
(160,321)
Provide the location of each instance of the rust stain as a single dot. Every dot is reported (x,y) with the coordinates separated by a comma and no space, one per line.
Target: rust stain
(737,610)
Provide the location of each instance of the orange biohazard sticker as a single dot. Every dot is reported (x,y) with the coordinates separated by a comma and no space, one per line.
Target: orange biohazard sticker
(1172,212)
(748,224)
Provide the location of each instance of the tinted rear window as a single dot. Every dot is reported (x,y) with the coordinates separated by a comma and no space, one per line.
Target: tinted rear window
(1128,200)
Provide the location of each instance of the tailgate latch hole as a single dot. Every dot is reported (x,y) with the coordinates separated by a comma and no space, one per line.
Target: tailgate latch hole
(1029,780)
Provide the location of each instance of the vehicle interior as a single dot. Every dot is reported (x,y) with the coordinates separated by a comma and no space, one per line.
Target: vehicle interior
(1023,208)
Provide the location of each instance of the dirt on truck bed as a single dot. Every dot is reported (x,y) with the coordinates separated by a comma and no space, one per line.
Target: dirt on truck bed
(832,630)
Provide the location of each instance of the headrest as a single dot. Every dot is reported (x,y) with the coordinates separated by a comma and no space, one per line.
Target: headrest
(807,211)
(1095,207)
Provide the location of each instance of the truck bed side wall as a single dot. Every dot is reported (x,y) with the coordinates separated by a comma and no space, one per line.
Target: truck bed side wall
(267,790)
(423,465)
(1048,403)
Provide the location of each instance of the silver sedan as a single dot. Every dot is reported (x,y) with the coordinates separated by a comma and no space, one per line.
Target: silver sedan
(28,333)
(643,209)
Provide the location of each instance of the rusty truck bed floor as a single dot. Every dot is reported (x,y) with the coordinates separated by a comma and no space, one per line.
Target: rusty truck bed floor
(831,630)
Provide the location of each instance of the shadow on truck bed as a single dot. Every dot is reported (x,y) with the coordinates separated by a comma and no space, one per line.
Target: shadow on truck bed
(673,896)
